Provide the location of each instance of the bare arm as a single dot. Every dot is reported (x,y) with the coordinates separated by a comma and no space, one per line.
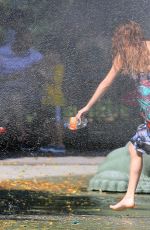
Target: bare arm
(102,87)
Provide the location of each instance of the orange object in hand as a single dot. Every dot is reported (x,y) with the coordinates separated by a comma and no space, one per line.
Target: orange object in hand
(73,123)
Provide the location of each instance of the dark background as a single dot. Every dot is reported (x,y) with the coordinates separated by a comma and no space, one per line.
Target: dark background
(76,34)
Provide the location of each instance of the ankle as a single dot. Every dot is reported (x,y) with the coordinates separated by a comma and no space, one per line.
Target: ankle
(129,197)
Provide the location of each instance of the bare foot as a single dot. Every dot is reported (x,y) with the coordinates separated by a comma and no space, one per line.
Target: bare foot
(123,204)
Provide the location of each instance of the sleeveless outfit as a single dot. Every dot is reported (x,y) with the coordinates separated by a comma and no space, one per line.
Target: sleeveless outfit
(141,140)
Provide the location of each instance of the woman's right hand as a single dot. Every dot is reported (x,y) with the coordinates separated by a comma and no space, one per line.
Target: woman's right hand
(81,112)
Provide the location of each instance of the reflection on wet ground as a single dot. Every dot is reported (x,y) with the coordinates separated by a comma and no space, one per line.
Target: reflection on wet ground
(88,210)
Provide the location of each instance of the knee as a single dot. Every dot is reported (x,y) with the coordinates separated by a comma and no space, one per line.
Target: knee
(133,152)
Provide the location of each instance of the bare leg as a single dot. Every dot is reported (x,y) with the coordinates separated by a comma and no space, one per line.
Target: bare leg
(135,172)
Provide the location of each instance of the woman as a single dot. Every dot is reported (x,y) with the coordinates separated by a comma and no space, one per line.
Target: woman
(131,57)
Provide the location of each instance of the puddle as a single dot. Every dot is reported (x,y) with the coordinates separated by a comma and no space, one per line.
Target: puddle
(16,202)
(88,210)
(45,203)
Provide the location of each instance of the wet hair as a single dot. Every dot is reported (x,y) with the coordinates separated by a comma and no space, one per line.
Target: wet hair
(129,45)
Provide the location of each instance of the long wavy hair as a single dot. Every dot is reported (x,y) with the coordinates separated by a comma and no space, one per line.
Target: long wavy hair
(129,45)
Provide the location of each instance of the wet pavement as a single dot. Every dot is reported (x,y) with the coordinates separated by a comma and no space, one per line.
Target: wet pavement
(85,211)
(56,197)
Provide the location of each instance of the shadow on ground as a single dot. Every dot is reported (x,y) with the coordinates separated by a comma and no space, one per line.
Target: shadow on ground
(87,210)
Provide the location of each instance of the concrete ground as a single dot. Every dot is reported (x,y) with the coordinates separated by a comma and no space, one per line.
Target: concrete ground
(50,193)
(41,167)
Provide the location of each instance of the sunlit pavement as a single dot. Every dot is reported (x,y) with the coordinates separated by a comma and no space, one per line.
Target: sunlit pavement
(51,193)
(39,167)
